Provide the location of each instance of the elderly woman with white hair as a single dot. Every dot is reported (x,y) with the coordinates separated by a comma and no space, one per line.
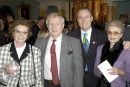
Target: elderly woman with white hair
(113,52)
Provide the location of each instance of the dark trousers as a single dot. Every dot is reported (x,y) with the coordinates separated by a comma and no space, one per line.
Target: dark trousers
(50,84)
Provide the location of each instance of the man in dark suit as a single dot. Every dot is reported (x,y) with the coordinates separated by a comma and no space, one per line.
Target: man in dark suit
(65,51)
(126,35)
(35,29)
(2,38)
(95,38)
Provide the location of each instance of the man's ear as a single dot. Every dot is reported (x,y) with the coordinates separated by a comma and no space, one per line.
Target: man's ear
(63,26)
(92,18)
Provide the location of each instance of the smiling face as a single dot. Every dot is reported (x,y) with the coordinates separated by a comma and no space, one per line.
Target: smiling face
(55,26)
(114,34)
(84,19)
(20,34)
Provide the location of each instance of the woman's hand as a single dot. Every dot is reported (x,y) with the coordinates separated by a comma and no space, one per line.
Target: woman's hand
(116,71)
(10,69)
(98,72)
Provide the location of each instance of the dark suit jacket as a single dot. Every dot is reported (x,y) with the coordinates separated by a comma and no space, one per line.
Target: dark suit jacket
(71,61)
(35,30)
(97,38)
(2,38)
(126,35)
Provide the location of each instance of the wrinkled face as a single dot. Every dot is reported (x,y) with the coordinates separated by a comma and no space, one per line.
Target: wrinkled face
(20,34)
(84,19)
(55,26)
(114,34)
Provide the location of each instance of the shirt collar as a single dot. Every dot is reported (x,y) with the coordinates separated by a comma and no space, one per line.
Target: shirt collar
(88,32)
(57,39)
(38,26)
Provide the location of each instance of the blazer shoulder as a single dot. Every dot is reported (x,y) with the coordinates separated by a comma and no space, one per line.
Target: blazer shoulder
(74,33)
(35,48)
(72,39)
(99,35)
(6,45)
(99,32)
(39,42)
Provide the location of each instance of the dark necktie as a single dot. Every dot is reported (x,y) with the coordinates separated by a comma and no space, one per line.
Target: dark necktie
(54,68)
(85,43)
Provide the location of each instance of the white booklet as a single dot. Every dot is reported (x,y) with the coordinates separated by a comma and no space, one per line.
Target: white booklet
(103,68)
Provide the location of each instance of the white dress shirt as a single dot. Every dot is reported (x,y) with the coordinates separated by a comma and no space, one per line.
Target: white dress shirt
(39,26)
(88,34)
(47,60)
(20,50)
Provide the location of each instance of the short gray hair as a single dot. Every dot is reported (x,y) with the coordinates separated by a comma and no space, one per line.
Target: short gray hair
(115,23)
(53,15)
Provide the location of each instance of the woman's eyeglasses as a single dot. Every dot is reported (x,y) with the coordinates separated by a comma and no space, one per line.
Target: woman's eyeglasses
(114,33)
(23,32)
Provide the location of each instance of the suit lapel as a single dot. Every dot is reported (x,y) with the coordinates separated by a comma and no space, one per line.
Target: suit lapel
(43,48)
(92,41)
(25,52)
(78,34)
(13,52)
(64,49)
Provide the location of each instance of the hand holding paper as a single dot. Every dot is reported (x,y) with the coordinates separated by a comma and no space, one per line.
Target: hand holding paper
(116,71)
(103,67)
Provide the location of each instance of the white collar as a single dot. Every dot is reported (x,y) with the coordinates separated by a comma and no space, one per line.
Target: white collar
(38,26)
(57,39)
(88,34)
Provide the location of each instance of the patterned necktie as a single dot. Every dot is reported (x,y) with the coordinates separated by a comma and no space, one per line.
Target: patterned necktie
(54,68)
(85,43)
